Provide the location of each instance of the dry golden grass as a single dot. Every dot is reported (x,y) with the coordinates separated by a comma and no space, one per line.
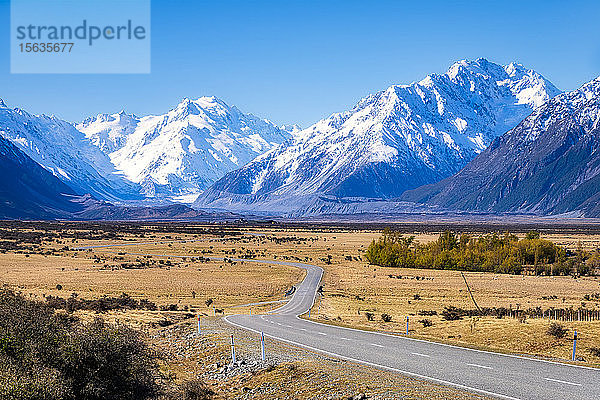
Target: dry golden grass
(186,282)
(351,286)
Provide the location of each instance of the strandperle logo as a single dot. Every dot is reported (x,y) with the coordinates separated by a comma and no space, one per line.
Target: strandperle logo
(85,31)
(83,36)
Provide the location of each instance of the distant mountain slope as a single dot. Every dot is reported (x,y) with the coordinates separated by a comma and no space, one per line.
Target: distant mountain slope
(66,152)
(185,150)
(28,191)
(548,164)
(397,139)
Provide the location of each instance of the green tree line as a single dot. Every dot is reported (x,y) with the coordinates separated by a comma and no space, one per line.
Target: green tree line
(494,252)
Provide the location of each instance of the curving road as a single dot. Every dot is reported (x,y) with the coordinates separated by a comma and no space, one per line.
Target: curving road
(493,374)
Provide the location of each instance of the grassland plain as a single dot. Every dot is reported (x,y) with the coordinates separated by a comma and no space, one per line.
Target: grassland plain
(169,266)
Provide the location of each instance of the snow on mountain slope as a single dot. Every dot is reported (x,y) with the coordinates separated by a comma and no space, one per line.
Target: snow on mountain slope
(548,164)
(182,152)
(394,140)
(66,153)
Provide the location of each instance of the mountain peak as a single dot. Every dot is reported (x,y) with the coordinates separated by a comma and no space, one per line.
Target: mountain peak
(591,87)
(212,102)
(202,104)
(186,149)
(515,68)
(2,104)
(480,66)
(547,164)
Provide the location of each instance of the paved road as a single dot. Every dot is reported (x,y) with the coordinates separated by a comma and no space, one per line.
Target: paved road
(492,374)
(497,375)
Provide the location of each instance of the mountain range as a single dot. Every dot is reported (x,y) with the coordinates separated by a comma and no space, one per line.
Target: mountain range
(182,152)
(392,141)
(480,138)
(548,164)
(65,152)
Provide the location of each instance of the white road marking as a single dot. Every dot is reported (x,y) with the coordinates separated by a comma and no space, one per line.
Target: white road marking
(565,382)
(388,368)
(420,355)
(302,329)
(480,366)
(322,333)
(375,344)
(345,338)
(449,345)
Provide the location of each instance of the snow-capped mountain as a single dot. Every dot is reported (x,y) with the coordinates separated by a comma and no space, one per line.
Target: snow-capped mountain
(394,140)
(65,152)
(548,164)
(182,152)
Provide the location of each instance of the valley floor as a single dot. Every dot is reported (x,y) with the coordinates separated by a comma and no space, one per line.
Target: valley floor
(169,266)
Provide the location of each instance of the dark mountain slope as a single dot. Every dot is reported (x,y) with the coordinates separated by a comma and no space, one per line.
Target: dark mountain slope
(28,191)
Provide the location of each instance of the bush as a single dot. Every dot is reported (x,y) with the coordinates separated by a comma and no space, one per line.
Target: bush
(195,389)
(165,322)
(123,302)
(595,351)
(370,316)
(44,355)
(557,330)
(426,322)
(452,313)
(386,317)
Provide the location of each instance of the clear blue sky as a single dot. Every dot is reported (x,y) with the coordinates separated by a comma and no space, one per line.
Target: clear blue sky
(298,61)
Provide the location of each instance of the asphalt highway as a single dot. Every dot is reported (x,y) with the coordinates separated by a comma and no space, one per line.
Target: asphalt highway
(493,374)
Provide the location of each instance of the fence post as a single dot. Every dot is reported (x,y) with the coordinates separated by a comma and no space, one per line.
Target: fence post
(199,325)
(574,344)
(232,350)
(407,325)
(262,345)
(320,299)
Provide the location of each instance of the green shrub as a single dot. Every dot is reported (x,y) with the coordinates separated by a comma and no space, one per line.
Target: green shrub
(45,355)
